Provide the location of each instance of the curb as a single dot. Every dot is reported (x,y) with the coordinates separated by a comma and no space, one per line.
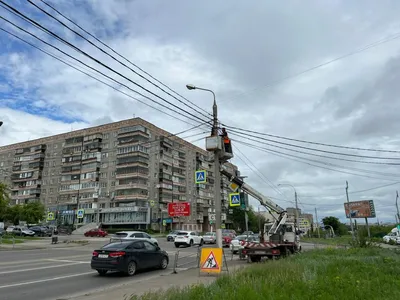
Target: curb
(75,245)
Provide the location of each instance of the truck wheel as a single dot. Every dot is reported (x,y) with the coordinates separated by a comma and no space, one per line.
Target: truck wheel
(255,258)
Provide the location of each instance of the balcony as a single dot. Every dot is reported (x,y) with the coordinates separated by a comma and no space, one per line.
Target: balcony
(131,197)
(131,175)
(131,186)
(74,141)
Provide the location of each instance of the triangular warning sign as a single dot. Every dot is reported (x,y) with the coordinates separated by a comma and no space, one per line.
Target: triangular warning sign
(210,263)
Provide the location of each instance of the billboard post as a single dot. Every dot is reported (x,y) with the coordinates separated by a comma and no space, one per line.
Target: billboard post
(348,202)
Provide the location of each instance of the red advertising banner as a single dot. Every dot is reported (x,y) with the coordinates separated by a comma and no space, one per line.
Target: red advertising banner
(360,209)
(179,209)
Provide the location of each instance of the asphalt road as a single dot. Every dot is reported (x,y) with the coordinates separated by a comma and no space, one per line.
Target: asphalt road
(62,273)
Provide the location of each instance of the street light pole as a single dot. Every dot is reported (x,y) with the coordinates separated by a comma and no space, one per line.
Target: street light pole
(296,204)
(217,170)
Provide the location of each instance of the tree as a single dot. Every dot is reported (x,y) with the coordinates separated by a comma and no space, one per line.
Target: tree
(32,212)
(332,221)
(4,201)
(253,219)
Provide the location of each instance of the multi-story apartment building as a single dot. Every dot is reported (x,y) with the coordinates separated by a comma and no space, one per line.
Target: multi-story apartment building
(120,174)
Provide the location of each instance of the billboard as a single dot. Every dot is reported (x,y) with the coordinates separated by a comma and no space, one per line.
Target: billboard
(360,209)
(179,209)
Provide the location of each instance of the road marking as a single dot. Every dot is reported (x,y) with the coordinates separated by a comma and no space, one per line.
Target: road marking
(42,268)
(35,261)
(68,261)
(44,280)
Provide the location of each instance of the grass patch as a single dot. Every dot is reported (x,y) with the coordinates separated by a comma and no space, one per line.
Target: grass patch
(355,273)
(10,241)
(343,240)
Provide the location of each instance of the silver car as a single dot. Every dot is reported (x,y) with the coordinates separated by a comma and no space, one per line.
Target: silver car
(210,238)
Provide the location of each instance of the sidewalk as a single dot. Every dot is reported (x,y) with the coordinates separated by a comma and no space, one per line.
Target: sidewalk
(41,244)
(154,284)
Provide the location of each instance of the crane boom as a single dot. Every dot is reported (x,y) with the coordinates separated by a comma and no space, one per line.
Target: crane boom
(264,201)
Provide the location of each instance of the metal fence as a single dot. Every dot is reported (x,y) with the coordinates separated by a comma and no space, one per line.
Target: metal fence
(12,238)
(192,261)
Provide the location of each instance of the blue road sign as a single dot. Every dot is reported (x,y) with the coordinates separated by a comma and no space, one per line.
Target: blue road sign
(201,176)
(80,213)
(234,199)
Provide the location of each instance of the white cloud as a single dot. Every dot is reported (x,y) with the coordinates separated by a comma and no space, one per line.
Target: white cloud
(237,51)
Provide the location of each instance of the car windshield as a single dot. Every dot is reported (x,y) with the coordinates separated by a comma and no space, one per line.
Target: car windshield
(121,234)
(174,232)
(241,238)
(210,233)
(116,246)
(182,233)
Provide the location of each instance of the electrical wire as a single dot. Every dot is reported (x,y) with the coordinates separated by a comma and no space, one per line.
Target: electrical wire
(33,35)
(318,150)
(126,59)
(313,143)
(49,32)
(319,155)
(91,76)
(369,46)
(111,56)
(290,157)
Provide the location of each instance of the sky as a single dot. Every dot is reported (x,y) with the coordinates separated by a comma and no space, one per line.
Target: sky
(318,71)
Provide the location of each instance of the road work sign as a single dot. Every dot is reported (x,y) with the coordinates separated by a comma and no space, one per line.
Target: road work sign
(211,260)
(201,176)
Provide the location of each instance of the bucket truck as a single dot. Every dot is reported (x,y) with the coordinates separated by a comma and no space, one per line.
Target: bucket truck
(280,236)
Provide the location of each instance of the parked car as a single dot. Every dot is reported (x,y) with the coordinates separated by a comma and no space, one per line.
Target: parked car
(226,239)
(41,231)
(128,257)
(231,231)
(23,231)
(171,236)
(10,229)
(133,235)
(2,232)
(188,238)
(96,232)
(235,244)
(248,233)
(210,238)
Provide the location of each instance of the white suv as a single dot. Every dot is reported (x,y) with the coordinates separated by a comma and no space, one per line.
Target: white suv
(133,235)
(188,238)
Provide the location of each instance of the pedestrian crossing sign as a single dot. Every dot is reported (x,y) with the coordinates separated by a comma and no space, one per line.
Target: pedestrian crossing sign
(80,213)
(50,216)
(234,199)
(211,260)
(200,176)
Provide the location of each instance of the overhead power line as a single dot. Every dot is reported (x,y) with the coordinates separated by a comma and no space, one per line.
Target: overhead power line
(111,56)
(306,161)
(114,80)
(313,143)
(49,32)
(120,55)
(317,150)
(93,77)
(354,52)
(314,154)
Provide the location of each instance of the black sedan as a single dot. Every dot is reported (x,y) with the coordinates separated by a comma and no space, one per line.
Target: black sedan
(129,256)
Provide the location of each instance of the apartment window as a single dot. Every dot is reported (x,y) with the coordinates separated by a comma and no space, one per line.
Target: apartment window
(103,175)
(103,184)
(51,191)
(55,146)
(105,146)
(105,154)
(105,136)
(104,165)
(54,163)
(112,183)
(55,154)
(115,143)
(46,164)
(113,174)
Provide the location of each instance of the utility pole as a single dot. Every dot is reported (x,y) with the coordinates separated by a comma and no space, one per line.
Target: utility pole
(297,210)
(316,221)
(217,168)
(397,206)
(349,208)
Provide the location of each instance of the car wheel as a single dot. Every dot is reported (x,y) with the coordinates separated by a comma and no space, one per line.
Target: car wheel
(191,243)
(156,244)
(102,272)
(164,263)
(131,268)
(177,245)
